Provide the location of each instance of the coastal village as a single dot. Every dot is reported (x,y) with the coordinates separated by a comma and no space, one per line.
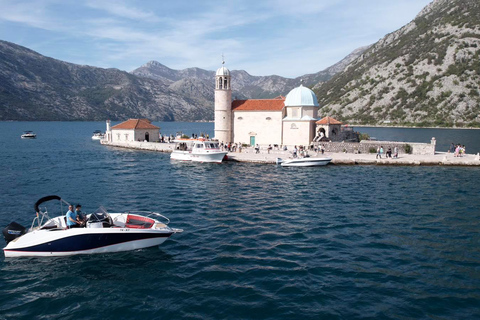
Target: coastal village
(265,130)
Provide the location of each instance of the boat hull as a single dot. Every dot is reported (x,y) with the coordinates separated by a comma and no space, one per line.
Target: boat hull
(75,241)
(306,162)
(214,156)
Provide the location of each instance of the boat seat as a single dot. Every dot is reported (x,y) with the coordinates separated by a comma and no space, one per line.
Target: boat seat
(137,222)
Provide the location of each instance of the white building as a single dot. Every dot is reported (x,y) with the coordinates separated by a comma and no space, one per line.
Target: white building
(132,130)
(286,120)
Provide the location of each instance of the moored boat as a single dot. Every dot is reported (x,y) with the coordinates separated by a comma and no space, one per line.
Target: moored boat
(28,135)
(304,162)
(198,150)
(98,135)
(103,232)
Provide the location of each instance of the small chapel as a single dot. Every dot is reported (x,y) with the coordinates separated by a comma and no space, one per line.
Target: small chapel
(290,120)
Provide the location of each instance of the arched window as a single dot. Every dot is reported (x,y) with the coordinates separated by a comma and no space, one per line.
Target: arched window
(268,118)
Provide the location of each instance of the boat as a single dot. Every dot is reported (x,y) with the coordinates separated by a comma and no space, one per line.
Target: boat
(199,150)
(98,135)
(28,135)
(103,232)
(304,162)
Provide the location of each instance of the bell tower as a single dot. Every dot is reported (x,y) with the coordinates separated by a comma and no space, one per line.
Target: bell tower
(223,105)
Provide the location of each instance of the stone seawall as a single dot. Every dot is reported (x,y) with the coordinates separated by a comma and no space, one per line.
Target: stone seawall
(369,146)
(338,158)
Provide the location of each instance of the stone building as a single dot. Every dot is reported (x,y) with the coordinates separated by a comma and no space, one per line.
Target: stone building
(286,120)
(132,130)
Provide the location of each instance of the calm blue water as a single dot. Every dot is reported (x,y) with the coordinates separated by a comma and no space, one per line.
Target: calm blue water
(260,241)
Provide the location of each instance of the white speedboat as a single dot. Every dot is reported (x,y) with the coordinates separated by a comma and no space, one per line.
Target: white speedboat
(28,135)
(103,233)
(98,135)
(199,150)
(304,162)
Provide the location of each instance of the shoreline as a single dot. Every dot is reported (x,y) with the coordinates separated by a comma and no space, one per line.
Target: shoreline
(338,158)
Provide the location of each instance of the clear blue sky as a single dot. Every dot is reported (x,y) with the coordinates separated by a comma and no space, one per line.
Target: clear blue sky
(282,37)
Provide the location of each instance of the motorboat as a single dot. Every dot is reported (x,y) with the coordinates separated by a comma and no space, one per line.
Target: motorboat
(28,135)
(103,232)
(199,150)
(304,162)
(98,135)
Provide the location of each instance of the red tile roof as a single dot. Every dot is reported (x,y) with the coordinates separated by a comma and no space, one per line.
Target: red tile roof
(275,104)
(328,120)
(135,124)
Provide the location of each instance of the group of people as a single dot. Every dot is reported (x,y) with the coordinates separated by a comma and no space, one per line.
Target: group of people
(75,219)
(231,147)
(388,153)
(457,150)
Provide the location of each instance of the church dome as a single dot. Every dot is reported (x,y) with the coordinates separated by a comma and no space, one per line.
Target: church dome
(301,97)
(223,71)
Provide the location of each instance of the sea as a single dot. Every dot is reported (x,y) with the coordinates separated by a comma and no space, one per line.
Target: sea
(260,241)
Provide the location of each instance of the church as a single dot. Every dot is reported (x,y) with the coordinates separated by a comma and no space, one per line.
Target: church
(289,120)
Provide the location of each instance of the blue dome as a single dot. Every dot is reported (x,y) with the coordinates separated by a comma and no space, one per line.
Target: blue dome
(301,97)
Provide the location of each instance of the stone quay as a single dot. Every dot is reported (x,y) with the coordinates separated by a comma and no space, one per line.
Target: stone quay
(340,155)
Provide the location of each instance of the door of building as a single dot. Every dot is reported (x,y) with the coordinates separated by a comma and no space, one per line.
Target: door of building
(252,140)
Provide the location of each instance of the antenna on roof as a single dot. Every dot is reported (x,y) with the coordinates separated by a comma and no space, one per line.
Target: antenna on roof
(223,59)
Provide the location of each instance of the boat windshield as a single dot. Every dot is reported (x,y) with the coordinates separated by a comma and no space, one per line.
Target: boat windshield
(211,145)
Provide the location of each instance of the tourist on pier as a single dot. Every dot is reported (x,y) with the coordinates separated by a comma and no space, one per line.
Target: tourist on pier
(395,152)
(295,151)
(378,153)
(257,148)
(322,148)
(457,151)
(452,148)
(389,153)
(269,148)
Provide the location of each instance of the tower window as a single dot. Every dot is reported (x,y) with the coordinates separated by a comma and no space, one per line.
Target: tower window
(268,118)
(240,118)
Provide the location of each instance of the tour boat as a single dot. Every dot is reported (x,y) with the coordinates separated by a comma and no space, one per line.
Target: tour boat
(199,150)
(103,232)
(28,135)
(98,135)
(304,162)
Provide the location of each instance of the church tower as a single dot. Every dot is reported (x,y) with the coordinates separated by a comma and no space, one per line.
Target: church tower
(223,105)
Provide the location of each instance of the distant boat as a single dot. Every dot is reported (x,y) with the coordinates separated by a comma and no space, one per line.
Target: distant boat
(98,135)
(28,135)
(304,162)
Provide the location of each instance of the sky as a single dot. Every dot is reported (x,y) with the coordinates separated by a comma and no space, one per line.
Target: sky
(289,38)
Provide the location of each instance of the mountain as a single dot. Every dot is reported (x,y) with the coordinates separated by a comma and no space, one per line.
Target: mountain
(425,74)
(35,87)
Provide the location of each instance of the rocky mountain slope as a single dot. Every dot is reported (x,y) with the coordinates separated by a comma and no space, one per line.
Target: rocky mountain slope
(35,87)
(425,74)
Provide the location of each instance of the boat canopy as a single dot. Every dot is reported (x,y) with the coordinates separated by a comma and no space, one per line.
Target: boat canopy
(45,199)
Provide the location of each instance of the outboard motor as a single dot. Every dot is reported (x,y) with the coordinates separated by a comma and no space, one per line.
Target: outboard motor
(13,231)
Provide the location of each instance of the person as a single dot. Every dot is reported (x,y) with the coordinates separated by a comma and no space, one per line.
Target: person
(72,218)
(395,152)
(269,148)
(322,148)
(80,216)
(389,152)
(378,153)
(257,148)
(295,151)
(452,148)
